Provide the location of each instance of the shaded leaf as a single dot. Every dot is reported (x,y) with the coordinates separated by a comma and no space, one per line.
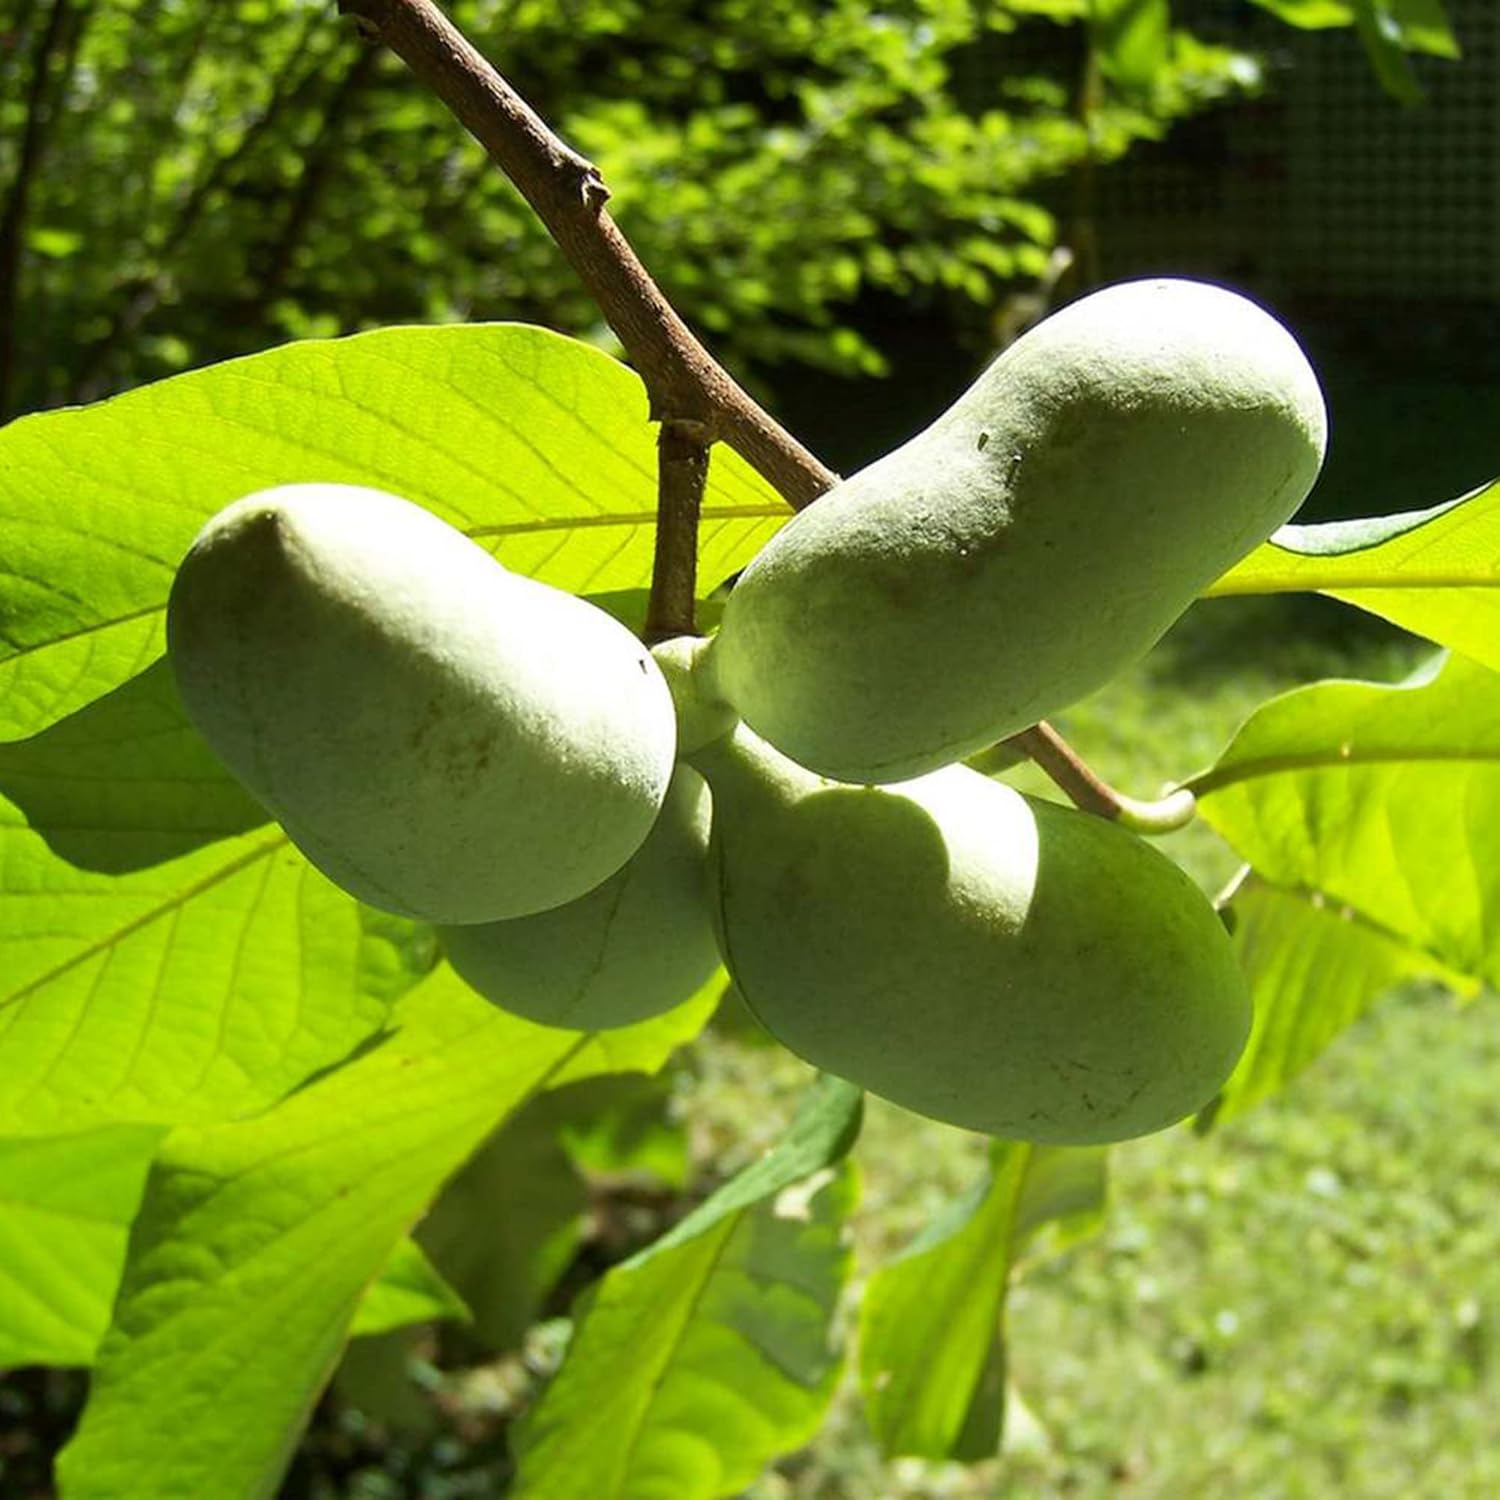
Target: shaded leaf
(257,1239)
(694,1364)
(409,1290)
(1314,968)
(66,1203)
(537,445)
(932,1336)
(504,1229)
(1435,572)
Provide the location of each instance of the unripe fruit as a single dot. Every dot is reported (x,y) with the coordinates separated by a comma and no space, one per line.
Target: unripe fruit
(633,947)
(1038,537)
(441,737)
(986,959)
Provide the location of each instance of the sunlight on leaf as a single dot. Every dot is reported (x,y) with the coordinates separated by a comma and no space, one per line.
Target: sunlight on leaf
(1386,799)
(257,1239)
(66,1203)
(537,445)
(1314,968)
(165,955)
(1434,572)
(932,1322)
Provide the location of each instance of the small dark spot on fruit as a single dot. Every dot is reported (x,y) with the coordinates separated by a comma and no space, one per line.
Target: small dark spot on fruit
(984,438)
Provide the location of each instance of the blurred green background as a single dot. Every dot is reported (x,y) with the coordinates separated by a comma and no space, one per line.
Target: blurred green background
(857,204)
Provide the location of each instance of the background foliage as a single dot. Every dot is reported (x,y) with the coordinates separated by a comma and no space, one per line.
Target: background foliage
(209,179)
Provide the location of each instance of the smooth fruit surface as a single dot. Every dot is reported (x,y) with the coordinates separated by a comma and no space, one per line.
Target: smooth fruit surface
(1038,537)
(443,738)
(981,957)
(633,947)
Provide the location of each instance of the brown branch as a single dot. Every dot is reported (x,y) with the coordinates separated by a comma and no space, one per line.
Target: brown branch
(683,381)
(682,473)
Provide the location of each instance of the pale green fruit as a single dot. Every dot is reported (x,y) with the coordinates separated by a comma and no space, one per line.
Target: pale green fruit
(633,947)
(981,957)
(443,738)
(1042,534)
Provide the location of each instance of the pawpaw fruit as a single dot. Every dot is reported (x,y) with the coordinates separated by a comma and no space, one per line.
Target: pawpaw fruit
(631,948)
(443,738)
(980,957)
(1038,537)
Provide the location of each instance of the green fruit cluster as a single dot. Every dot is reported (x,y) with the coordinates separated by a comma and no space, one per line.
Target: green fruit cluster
(452,742)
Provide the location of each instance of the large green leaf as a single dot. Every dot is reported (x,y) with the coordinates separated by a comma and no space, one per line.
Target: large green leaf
(66,1203)
(257,1239)
(704,1357)
(165,955)
(1314,968)
(1435,572)
(1384,799)
(537,445)
(932,1323)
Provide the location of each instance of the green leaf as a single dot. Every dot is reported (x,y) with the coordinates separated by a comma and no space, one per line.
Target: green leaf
(1418,26)
(1310,15)
(537,445)
(257,1239)
(1435,572)
(932,1341)
(1385,799)
(1381,35)
(707,1355)
(165,956)
(1131,38)
(1314,968)
(409,1290)
(66,1203)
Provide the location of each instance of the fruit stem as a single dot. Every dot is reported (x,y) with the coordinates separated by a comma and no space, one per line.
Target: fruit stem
(682,473)
(1092,794)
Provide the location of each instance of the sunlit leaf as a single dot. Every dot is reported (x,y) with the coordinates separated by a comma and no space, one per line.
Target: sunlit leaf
(1435,572)
(1131,38)
(537,445)
(932,1323)
(1314,968)
(1385,799)
(165,954)
(66,1203)
(256,1240)
(410,1289)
